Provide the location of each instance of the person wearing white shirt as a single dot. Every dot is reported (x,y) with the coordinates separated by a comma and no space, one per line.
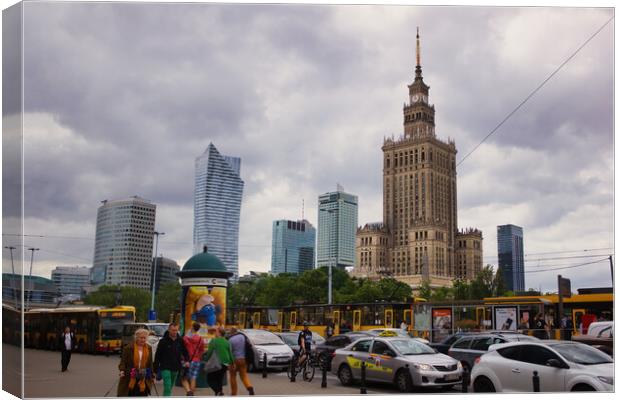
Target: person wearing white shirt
(67,344)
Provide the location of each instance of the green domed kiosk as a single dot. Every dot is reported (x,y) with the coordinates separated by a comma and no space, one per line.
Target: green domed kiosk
(204,280)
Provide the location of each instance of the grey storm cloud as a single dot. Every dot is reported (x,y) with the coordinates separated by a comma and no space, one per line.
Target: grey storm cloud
(120,98)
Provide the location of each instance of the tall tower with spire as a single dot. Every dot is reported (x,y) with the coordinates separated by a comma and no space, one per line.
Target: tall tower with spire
(418,237)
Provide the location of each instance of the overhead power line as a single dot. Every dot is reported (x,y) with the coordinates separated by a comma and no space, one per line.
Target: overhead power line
(534,91)
(573,266)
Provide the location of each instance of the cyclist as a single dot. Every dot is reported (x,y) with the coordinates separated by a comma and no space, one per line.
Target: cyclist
(304,340)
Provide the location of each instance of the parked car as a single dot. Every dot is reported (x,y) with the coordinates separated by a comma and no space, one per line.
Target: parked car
(156,332)
(445,344)
(404,362)
(561,366)
(327,349)
(468,348)
(262,342)
(600,335)
(394,332)
(291,337)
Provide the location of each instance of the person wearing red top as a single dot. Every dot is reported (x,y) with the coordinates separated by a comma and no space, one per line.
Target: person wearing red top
(195,348)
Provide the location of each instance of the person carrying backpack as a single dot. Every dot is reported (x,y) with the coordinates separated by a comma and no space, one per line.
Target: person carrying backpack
(240,348)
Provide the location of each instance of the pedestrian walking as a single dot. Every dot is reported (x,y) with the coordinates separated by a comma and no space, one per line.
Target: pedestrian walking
(170,357)
(238,346)
(540,327)
(67,344)
(136,367)
(404,326)
(329,331)
(195,348)
(218,358)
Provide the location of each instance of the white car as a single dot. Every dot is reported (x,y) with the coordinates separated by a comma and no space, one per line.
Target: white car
(561,365)
(263,342)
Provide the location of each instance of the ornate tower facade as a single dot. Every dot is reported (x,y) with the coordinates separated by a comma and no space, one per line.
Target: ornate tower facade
(419,199)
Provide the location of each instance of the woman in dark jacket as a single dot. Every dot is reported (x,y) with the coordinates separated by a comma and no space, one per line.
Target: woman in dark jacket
(136,367)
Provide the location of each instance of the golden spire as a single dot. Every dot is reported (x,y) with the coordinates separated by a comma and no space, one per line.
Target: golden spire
(417,50)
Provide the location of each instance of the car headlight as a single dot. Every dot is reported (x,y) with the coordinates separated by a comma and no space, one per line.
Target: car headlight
(459,365)
(607,379)
(423,367)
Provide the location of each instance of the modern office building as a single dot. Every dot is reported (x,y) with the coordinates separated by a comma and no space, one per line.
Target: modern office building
(417,239)
(166,270)
(38,291)
(71,280)
(217,206)
(292,246)
(510,256)
(124,243)
(336,229)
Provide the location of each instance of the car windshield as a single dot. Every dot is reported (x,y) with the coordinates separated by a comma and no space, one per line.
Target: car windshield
(411,347)
(289,339)
(263,338)
(581,354)
(159,329)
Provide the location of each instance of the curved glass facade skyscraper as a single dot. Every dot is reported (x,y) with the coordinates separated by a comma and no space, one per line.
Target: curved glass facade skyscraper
(217,206)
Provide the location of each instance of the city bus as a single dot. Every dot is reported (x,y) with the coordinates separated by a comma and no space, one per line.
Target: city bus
(97,329)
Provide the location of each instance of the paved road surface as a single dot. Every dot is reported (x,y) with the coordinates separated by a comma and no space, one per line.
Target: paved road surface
(90,375)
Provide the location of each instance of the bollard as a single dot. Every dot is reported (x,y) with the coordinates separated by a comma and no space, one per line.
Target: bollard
(264,365)
(293,369)
(363,384)
(465,381)
(536,381)
(324,372)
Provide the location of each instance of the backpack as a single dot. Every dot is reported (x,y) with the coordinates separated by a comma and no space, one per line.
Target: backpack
(249,353)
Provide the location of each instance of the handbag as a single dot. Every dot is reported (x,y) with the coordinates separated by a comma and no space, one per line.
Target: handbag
(213,363)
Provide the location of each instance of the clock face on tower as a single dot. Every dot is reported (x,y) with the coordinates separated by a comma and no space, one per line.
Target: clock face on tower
(415,98)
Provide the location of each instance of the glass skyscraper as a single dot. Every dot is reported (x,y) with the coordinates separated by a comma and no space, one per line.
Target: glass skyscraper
(292,246)
(336,229)
(217,206)
(510,256)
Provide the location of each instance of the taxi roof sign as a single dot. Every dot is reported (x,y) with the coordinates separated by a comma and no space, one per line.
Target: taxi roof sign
(388,334)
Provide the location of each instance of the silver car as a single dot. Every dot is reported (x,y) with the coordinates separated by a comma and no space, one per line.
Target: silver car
(405,362)
(263,342)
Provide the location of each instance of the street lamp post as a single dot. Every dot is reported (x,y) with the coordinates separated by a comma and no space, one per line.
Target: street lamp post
(152,313)
(11,248)
(32,249)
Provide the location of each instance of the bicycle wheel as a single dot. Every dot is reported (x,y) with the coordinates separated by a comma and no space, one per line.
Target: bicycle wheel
(308,372)
(292,367)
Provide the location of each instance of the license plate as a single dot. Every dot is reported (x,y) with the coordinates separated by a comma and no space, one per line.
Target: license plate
(451,377)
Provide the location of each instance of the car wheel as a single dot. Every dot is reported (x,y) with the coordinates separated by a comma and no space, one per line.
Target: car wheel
(403,381)
(582,387)
(345,375)
(482,384)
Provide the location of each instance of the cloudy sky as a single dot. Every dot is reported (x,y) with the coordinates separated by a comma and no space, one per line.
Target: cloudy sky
(121,98)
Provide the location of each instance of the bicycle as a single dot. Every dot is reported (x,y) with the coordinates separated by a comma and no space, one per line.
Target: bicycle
(307,367)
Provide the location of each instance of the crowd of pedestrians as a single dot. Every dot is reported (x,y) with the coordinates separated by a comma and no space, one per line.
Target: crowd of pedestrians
(178,359)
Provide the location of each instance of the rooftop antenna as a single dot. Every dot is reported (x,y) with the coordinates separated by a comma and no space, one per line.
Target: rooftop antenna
(302,209)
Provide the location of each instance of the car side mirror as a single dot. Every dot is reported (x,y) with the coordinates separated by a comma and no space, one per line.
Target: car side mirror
(554,362)
(436,351)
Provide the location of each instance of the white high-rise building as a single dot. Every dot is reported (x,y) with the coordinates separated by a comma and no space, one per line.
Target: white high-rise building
(336,229)
(217,206)
(124,243)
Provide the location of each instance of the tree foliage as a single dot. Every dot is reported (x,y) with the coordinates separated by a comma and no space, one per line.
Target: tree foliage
(310,287)
(111,295)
